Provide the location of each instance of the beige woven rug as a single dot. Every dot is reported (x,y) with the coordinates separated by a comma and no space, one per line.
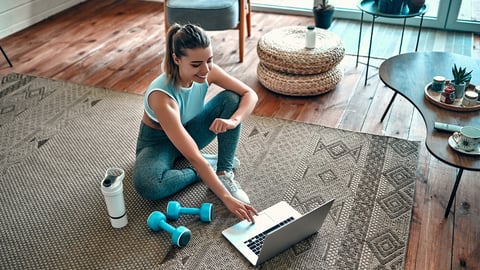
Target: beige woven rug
(58,138)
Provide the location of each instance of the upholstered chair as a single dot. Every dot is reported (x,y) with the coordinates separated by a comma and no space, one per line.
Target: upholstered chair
(211,15)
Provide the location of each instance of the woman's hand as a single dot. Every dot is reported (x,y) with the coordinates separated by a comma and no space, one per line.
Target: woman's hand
(240,209)
(220,125)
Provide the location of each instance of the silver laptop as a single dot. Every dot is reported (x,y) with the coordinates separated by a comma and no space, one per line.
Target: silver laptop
(275,229)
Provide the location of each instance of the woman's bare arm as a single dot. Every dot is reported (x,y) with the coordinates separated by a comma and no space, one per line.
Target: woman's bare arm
(221,78)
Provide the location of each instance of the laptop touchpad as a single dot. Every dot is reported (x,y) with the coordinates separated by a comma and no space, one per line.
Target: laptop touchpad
(263,219)
(245,229)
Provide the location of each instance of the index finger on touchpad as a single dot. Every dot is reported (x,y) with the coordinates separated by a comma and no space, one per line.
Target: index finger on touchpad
(262,218)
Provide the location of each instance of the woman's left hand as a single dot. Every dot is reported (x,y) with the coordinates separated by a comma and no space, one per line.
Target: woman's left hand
(220,125)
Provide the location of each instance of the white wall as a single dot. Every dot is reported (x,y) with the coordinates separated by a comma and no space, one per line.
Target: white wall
(16,15)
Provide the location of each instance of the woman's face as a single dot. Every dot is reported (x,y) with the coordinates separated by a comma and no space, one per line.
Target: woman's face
(195,65)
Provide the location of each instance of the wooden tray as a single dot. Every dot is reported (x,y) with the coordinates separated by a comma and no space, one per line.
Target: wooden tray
(434,97)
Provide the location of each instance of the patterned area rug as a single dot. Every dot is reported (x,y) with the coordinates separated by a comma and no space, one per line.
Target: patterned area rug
(58,139)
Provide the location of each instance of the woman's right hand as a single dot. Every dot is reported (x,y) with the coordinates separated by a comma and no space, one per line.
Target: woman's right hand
(240,210)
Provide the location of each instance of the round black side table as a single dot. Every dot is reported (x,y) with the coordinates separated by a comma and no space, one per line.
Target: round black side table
(370,7)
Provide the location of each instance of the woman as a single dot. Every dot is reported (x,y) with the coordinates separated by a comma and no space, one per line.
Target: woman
(177,123)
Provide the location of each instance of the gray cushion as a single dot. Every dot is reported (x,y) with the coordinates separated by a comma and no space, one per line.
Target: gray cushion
(209,14)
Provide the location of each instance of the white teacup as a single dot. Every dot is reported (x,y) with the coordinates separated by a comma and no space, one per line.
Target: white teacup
(468,138)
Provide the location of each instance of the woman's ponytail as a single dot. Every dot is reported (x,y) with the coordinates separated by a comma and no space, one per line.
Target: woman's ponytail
(169,66)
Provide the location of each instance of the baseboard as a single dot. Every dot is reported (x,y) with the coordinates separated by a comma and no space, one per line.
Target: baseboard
(19,16)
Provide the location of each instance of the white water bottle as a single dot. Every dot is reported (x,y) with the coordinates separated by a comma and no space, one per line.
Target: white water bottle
(112,189)
(310,37)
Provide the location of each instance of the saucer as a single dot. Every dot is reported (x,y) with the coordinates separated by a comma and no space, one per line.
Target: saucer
(455,147)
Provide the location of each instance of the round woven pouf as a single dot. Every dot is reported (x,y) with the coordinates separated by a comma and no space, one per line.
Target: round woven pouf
(287,67)
(283,50)
(299,85)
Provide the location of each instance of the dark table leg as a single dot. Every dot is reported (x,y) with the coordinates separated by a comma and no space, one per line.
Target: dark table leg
(403,32)
(359,38)
(454,191)
(6,57)
(419,31)
(388,107)
(369,49)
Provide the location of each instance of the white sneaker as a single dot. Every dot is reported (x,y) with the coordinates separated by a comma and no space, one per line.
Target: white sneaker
(213,160)
(233,187)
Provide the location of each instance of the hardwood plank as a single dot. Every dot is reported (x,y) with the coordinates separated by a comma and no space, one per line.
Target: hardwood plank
(399,118)
(381,98)
(421,185)
(466,248)
(332,109)
(416,242)
(435,244)
(119,44)
(137,78)
(355,113)
(116,49)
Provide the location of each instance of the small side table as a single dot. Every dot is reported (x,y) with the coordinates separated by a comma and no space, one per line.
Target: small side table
(370,7)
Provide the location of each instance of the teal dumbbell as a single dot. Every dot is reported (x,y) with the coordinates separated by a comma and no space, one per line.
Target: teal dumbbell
(174,210)
(180,235)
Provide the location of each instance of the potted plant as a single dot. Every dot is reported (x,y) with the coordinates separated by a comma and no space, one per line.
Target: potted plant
(323,13)
(390,6)
(414,6)
(460,79)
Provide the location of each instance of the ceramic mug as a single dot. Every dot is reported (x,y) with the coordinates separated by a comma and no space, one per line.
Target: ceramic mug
(467,138)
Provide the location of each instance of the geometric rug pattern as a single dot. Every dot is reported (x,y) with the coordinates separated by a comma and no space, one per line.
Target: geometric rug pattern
(59,138)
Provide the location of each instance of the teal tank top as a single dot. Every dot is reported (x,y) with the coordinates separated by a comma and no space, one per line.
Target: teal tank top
(190,101)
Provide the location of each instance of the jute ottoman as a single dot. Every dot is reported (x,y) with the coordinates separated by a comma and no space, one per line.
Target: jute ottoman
(288,68)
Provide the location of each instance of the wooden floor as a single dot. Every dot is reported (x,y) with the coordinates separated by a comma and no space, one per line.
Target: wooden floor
(119,45)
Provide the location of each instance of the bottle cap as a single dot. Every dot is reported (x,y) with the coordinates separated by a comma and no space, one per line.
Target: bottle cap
(112,183)
(449,88)
(471,95)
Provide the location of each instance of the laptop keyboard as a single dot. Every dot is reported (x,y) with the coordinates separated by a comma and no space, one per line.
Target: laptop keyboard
(255,243)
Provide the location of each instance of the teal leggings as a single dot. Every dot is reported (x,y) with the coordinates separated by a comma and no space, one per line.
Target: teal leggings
(153,174)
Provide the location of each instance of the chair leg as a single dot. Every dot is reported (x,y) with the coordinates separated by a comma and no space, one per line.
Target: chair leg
(241,28)
(241,44)
(165,19)
(6,57)
(249,20)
